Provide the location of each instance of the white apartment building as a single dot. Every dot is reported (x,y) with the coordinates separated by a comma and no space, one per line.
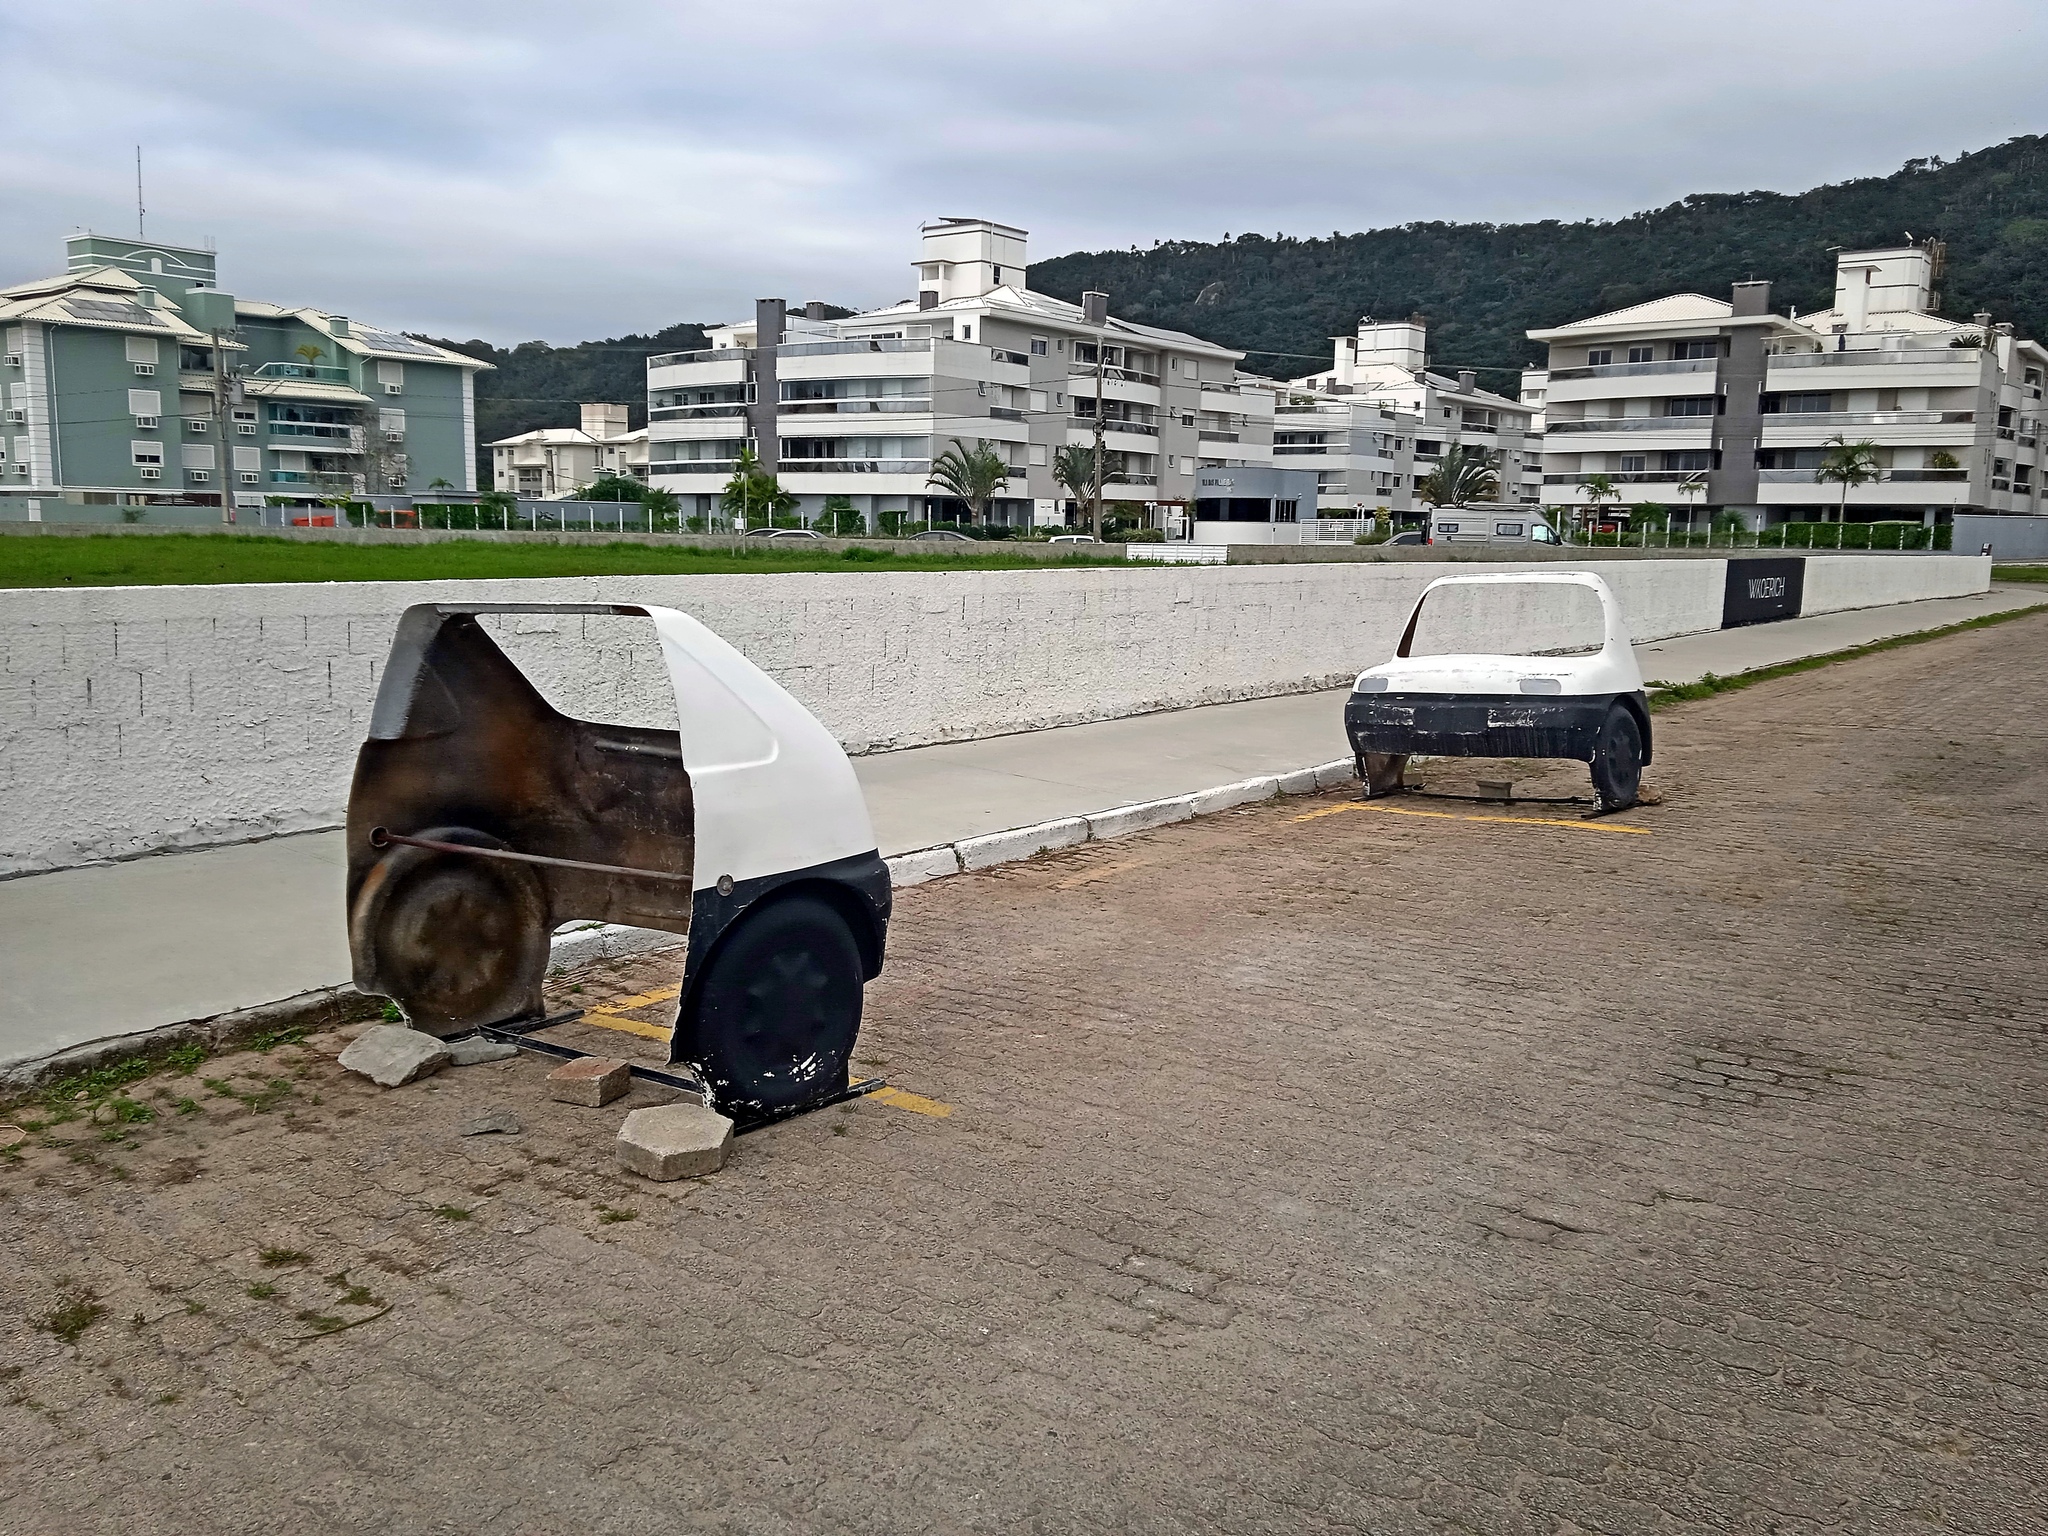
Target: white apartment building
(1705,404)
(1386,365)
(1362,451)
(554,463)
(859,407)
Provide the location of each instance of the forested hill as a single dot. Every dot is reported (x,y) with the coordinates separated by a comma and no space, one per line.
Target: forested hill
(1482,285)
(536,385)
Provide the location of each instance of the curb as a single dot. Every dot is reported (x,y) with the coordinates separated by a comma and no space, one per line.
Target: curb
(578,947)
(985,852)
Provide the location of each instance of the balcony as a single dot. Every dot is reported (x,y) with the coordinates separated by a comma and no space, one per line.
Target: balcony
(894,405)
(1113,424)
(1866,419)
(1206,436)
(708,355)
(1004,413)
(1631,476)
(1115,374)
(1872,357)
(856,467)
(723,467)
(1636,370)
(846,348)
(1009,357)
(1633,424)
(696,412)
(313,371)
(325,433)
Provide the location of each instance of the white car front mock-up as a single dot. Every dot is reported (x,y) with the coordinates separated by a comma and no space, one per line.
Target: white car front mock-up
(1580,696)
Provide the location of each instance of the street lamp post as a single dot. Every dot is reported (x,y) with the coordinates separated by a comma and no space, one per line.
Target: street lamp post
(1095,311)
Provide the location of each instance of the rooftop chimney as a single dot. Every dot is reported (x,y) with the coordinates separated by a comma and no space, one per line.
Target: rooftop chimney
(1095,309)
(1468,380)
(927,298)
(815,310)
(1750,298)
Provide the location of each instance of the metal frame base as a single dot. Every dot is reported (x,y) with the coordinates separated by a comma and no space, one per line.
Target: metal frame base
(519,1032)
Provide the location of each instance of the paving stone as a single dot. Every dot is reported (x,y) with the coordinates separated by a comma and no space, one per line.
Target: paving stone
(592,1081)
(392,1055)
(475,1050)
(497,1121)
(674,1141)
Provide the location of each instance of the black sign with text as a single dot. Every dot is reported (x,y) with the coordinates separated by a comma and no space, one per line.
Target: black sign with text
(1760,591)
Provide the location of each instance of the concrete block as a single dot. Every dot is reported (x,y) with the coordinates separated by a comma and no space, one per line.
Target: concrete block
(1123,820)
(1209,801)
(1342,771)
(592,1081)
(674,1141)
(497,1122)
(1301,782)
(925,864)
(392,1055)
(1021,842)
(476,1050)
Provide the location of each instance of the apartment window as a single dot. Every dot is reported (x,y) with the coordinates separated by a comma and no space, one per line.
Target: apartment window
(140,349)
(141,452)
(1811,403)
(1038,346)
(391,376)
(1639,354)
(1693,405)
(2021,475)
(967,333)
(248,459)
(1599,357)
(145,402)
(1689,461)
(196,455)
(1634,463)
(1187,418)
(1706,347)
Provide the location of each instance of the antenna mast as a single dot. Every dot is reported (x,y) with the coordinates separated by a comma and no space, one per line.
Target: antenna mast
(138,192)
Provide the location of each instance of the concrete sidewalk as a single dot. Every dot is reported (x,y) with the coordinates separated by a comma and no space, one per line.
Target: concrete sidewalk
(111,950)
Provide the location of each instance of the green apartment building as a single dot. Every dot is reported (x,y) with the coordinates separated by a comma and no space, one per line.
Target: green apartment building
(135,390)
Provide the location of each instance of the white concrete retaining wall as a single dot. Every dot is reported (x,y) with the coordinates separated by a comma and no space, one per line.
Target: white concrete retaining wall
(143,718)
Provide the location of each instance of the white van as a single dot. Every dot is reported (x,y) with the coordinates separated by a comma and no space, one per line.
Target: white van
(1489,525)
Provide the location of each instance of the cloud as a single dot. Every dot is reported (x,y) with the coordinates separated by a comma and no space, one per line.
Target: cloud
(521,169)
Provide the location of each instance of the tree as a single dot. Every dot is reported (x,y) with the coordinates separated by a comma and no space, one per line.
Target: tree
(840,518)
(310,353)
(662,507)
(1073,470)
(438,483)
(972,474)
(752,492)
(1599,488)
(1462,476)
(612,488)
(1846,464)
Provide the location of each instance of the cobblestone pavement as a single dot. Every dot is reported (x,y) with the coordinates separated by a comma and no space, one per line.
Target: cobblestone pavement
(1310,1167)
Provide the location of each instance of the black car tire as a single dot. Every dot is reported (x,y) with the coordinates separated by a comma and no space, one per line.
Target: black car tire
(1618,760)
(777,1010)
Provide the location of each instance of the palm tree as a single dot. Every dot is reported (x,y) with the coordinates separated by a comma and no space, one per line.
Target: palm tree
(1073,470)
(1846,464)
(310,353)
(972,474)
(1462,476)
(752,492)
(1599,488)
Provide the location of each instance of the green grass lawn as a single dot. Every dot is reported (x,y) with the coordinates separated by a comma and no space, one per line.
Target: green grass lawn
(2019,573)
(199,559)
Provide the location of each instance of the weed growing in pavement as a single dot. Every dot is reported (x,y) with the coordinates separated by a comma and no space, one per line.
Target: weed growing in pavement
(194,1308)
(451,1213)
(608,1215)
(185,1106)
(281,1258)
(164,1399)
(270,1040)
(128,1112)
(262,1290)
(353,1295)
(137,1323)
(259,1100)
(185,1059)
(392,1013)
(78,1310)
(320,1322)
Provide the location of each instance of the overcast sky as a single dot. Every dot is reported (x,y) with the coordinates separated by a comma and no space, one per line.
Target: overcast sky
(567,171)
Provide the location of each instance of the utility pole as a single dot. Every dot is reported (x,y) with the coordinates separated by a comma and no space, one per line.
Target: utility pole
(1095,311)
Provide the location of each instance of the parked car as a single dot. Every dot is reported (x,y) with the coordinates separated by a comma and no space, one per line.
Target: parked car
(1073,538)
(1488,525)
(1570,688)
(796,533)
(1412,536)
(942,533)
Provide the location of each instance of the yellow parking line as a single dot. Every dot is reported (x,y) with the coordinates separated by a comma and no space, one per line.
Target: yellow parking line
(642,999)
(1523,821)
(624,1025)
(917,1104)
